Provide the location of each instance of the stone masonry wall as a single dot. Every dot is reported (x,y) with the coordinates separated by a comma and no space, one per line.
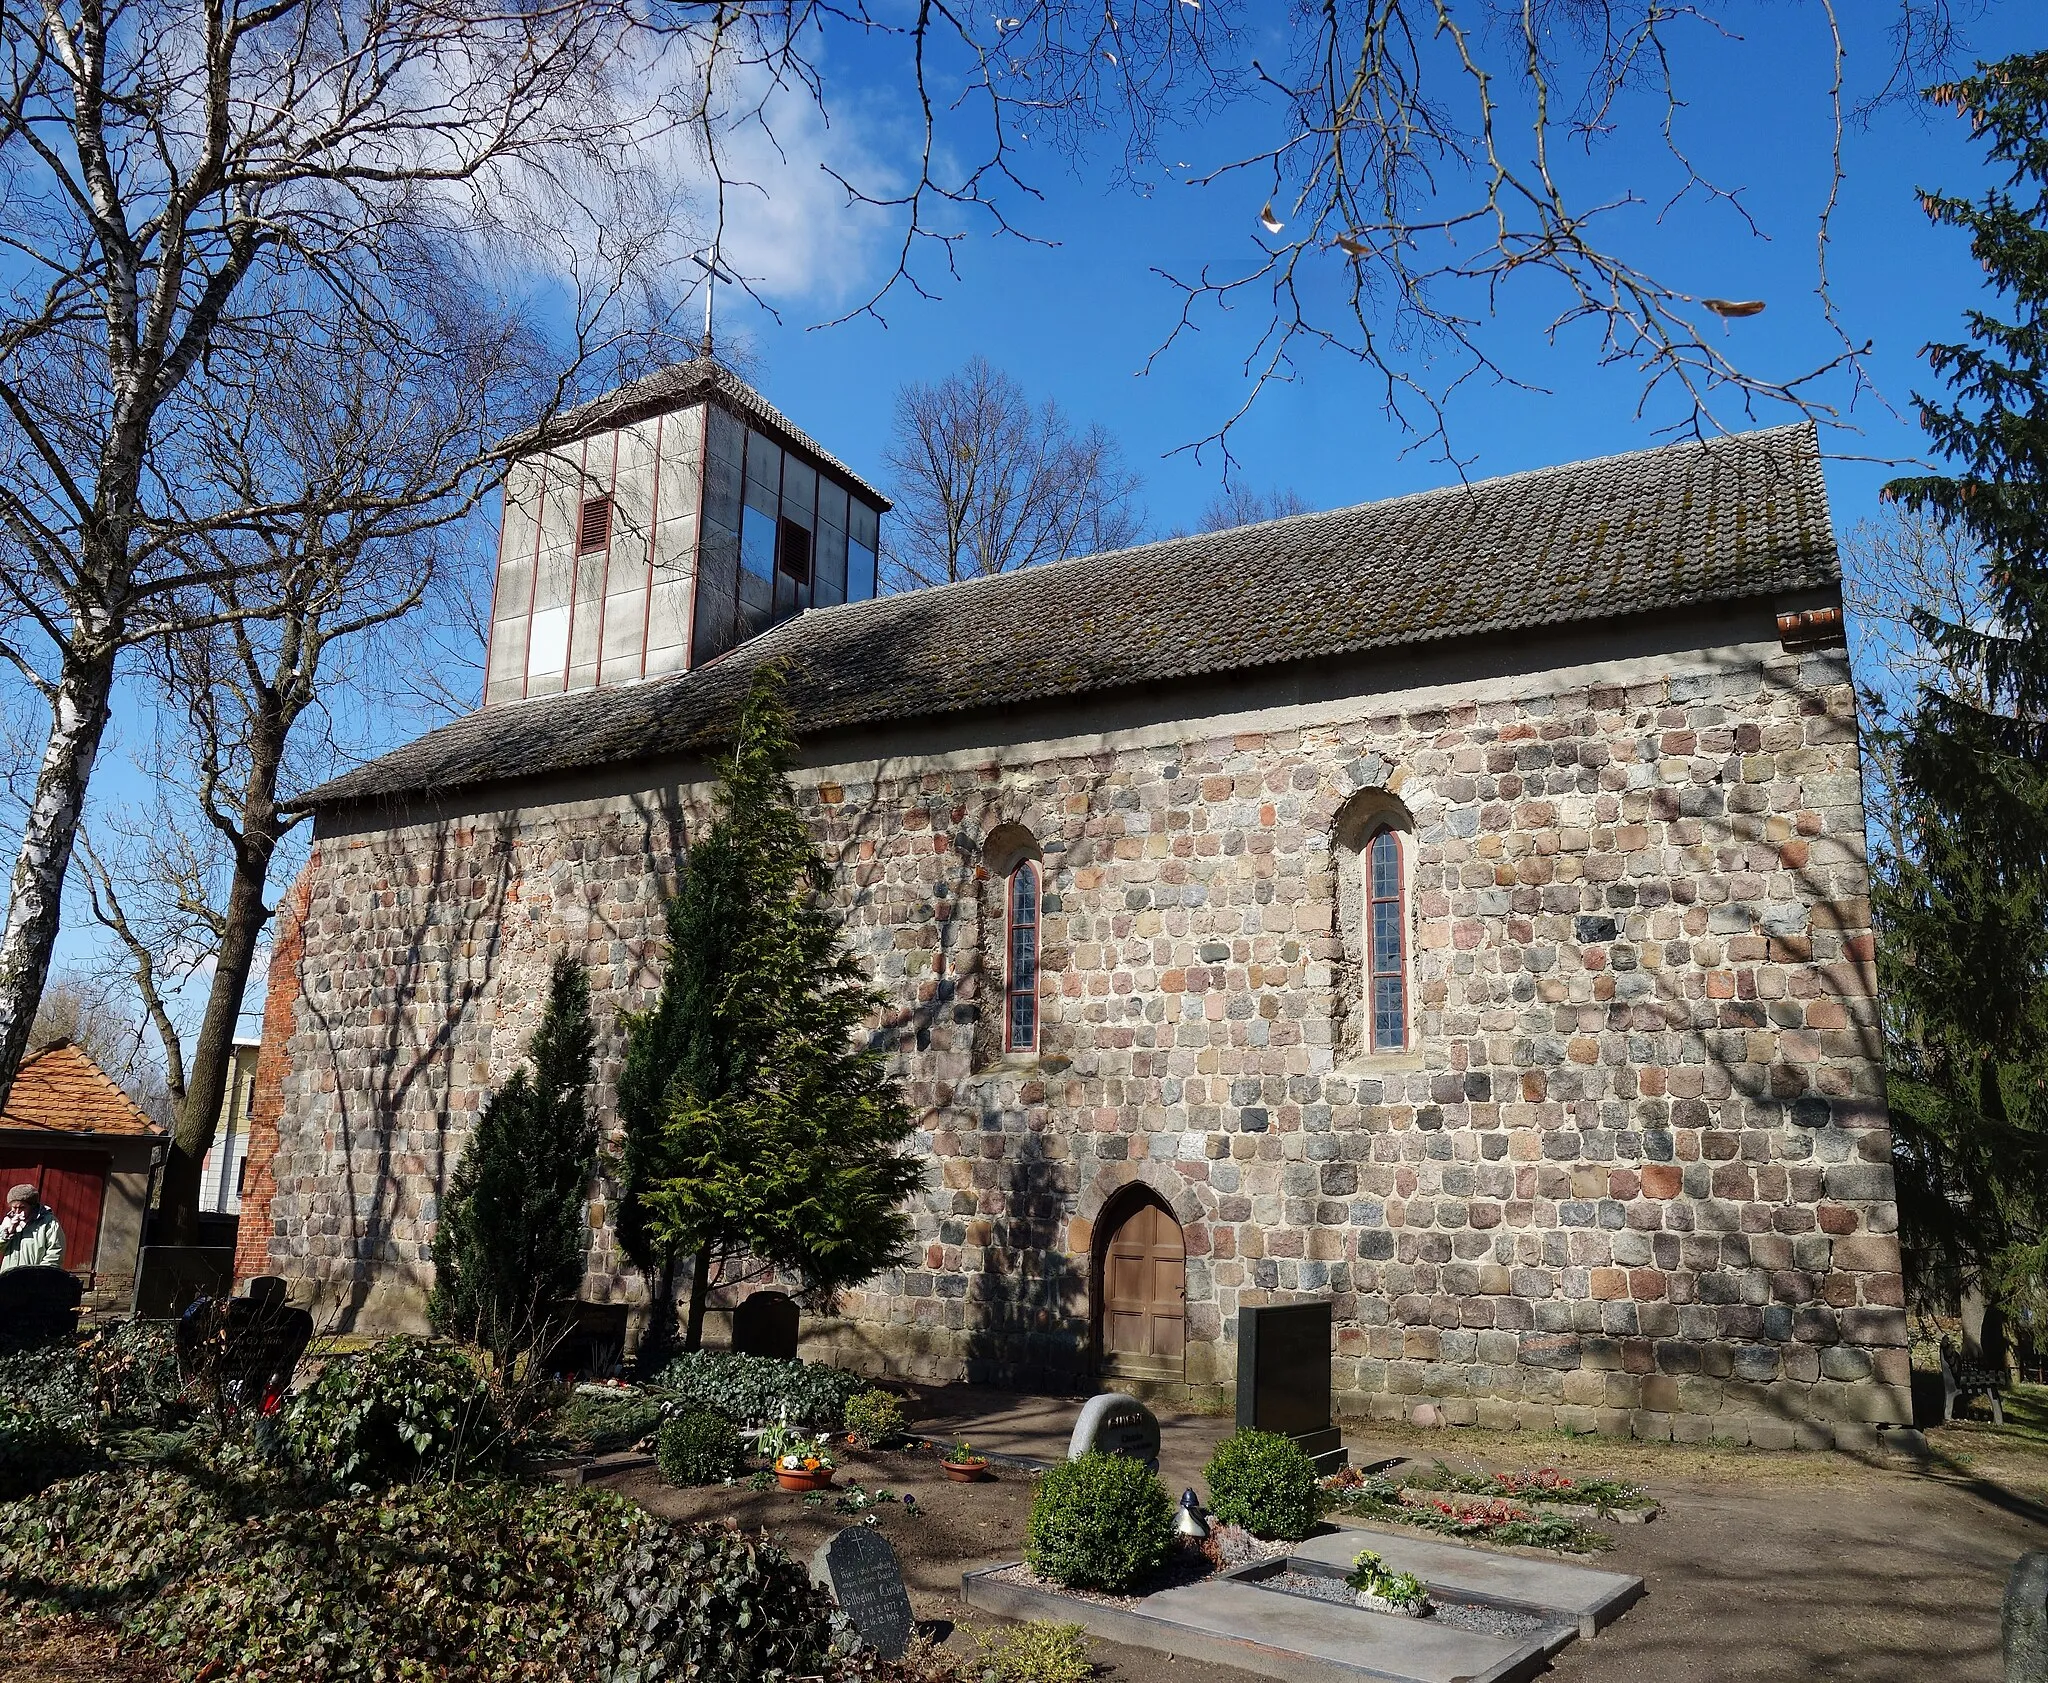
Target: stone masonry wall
(1634,1174)
(266,1097)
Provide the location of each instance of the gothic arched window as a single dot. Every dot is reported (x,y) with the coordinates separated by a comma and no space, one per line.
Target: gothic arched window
(1386,934)
(1372,845)
(1020,980)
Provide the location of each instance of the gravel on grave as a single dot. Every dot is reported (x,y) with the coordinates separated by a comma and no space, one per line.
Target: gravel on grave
(1186,1567)
(1489,1621)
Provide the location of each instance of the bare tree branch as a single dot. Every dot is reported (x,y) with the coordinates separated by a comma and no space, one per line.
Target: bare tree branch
(985,482)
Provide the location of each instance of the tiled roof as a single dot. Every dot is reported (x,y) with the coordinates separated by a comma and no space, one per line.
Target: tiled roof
(62,1091)
(685,383)
(1742,517)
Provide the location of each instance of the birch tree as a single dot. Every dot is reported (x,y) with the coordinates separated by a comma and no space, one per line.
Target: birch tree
(374,457)
(188,188)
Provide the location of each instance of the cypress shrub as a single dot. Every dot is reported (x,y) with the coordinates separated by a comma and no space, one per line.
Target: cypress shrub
(1099,1523)
(511,1238)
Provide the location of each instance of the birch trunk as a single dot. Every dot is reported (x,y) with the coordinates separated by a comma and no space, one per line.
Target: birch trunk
(35,905)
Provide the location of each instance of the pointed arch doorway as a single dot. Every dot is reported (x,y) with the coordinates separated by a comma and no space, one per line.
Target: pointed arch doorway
(1141,1295)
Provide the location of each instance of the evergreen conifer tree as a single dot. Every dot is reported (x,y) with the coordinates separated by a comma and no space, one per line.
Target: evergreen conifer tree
(1964,919)
(762,1126)
(511,1239)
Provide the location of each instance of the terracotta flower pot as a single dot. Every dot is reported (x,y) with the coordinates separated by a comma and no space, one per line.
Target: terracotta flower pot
(803,1478)
(966,1472)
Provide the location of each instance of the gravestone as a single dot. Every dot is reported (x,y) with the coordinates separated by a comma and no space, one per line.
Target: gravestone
(592,1344)
(1114,1424)
(169,1279)
(2026,1619)
(867,1580)
(38,1307)
(247,1348)
(1283,1377)
(765,1325)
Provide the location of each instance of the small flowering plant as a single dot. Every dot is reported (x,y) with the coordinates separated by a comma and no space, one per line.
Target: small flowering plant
(1378,1584)
(788,1450)
(964,1454)
(806,1455)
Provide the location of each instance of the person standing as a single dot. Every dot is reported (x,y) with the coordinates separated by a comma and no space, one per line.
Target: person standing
(30,1236)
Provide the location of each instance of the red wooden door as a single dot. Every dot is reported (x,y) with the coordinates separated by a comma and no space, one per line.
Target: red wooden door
(74,1185)
(1145,1296)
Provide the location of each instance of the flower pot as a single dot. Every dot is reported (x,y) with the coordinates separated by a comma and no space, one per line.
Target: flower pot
(803,1478)
(1400,1609)
(966,1472)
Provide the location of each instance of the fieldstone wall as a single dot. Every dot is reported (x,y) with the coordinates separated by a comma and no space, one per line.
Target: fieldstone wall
(1634,1174)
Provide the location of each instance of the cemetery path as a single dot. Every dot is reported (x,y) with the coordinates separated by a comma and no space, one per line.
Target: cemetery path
(1769,1567)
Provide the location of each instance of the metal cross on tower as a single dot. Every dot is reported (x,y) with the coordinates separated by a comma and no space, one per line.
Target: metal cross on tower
(714,272)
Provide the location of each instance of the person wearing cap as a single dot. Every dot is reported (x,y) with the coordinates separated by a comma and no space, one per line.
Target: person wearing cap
(30,1236)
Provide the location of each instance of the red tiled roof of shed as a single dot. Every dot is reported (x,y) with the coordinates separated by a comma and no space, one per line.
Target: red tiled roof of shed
(62,1091)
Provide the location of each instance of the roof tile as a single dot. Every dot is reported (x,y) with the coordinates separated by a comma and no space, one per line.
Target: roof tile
(1735,518)
(60,1090)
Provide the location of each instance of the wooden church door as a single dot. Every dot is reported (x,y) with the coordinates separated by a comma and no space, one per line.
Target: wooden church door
(1145,1296)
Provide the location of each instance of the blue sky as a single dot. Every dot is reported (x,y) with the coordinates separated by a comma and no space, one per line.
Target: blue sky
(1077,321)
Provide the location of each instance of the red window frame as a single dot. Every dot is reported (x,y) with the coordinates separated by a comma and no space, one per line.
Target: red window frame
(1383,977)
(1020,946)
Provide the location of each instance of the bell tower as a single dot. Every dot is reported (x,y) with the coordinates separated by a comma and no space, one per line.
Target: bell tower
(663,524)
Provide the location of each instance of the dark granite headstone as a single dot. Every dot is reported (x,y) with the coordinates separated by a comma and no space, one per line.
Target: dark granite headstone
(170,1278)
(592,1344)
(1114,1424)
(38,1307)
(867,1579)
(765,1325)
(246,1348)
(1283,1376)
(2026,1619)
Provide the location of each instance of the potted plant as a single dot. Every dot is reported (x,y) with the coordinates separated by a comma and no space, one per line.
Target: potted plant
(798,1461)
(805,1465)
(963,1465)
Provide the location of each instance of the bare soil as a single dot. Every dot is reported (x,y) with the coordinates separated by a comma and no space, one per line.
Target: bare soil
(1764,1566)
(70,1650)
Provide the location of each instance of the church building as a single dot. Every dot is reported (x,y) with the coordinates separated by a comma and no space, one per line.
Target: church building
(1452,907)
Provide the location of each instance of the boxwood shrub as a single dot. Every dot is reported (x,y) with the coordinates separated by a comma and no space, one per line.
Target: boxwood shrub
(875,1417)
(761,1390)
(1266,1483)
(698,1447)
(391,1412)
(237,1573)
(1099,1523)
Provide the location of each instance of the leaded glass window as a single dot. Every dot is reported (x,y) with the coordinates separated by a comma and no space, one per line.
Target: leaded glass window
(1386,940)
(1022,982)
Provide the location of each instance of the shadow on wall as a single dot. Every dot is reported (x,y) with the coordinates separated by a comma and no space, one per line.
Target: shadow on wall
(1736,1231)
(382,1231)
(1023,1327)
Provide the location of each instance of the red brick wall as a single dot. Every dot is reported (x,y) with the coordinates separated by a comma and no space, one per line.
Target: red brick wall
(273,1064)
